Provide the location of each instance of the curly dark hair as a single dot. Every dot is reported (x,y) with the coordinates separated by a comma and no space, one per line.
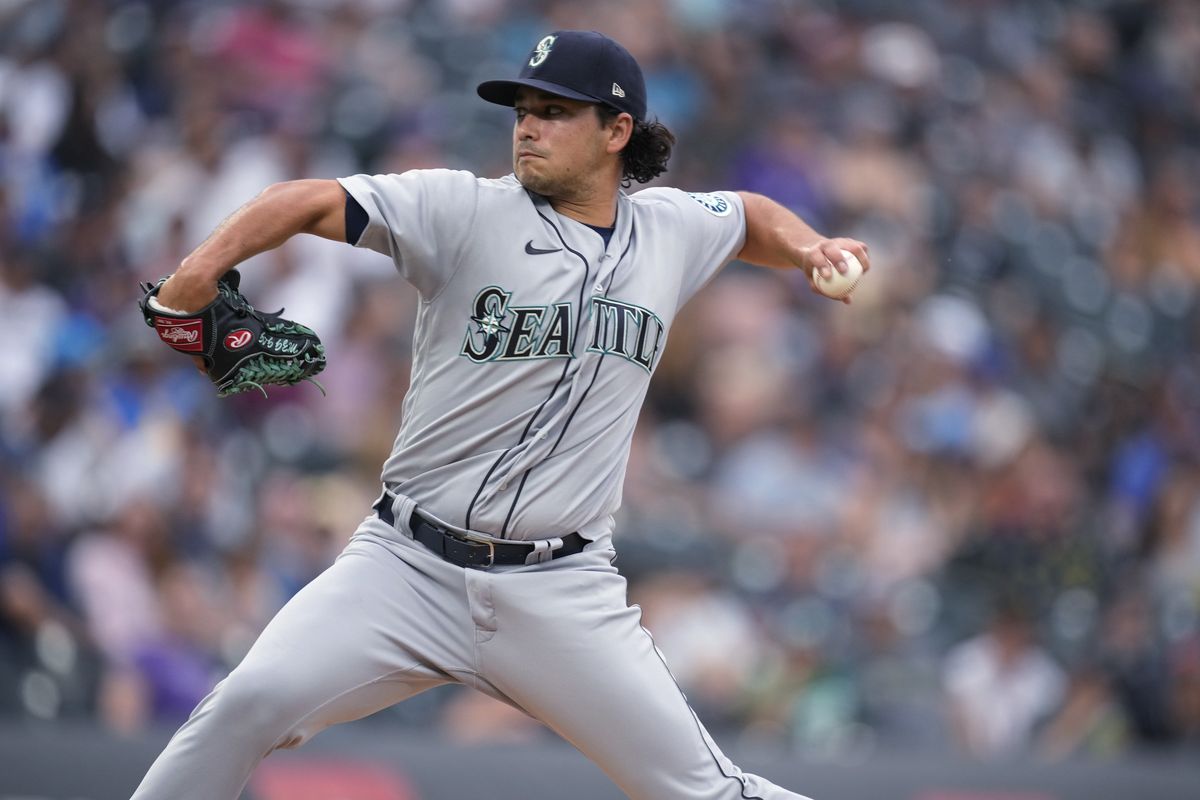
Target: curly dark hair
(645,156)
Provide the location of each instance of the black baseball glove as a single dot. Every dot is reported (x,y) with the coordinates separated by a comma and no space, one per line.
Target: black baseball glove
(242,348)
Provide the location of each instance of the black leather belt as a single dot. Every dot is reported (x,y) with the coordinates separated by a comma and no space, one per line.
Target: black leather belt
(470,552)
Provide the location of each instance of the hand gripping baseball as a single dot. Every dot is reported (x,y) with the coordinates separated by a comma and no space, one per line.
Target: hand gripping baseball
(241,347)
(835,266)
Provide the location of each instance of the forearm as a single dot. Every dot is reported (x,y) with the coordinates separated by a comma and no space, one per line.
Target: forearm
(774,235)
(280,212)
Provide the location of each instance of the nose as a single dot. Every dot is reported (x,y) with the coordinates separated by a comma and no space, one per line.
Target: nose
(527,127)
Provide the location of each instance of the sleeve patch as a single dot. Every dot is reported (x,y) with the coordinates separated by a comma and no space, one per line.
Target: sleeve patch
(717,205)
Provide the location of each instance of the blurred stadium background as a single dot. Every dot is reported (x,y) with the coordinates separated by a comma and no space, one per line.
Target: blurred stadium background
(956,524)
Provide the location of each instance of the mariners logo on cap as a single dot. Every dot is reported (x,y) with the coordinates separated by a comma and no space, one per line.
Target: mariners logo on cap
(542,50)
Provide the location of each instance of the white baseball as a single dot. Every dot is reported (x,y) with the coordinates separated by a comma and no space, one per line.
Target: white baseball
(839,285)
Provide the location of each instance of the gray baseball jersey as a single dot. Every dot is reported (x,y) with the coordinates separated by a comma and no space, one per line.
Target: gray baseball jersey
(534,346)
(535,342)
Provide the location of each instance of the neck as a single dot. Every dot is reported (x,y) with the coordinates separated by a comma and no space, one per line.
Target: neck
(596,207)
(602,214)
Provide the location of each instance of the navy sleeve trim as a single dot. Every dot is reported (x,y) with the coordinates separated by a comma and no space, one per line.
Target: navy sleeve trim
(356,219)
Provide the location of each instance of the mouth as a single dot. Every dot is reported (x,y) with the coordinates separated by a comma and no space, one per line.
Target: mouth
(526,154)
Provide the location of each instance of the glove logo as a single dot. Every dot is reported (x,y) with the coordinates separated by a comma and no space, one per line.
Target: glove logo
(276,352)
(182,335)
(238,339)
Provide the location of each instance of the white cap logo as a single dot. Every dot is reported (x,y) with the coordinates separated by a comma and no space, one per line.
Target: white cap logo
(542,50)
(618,91)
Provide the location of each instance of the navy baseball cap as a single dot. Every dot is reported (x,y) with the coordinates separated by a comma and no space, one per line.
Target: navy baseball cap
(581,65)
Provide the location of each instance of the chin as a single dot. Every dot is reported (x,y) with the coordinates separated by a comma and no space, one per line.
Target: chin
(534,182)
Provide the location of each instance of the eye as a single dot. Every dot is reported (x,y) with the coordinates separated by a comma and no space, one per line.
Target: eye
(520,112)
(554,111)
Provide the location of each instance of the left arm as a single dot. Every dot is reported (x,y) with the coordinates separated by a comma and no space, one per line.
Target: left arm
(775,237)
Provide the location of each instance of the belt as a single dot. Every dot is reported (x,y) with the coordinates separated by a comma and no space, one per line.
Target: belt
(467,551)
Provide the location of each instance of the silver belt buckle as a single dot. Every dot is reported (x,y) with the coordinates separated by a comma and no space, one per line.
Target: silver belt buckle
(491,546)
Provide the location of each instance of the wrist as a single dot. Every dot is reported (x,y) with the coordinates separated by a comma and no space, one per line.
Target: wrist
(188,289)
(196,269)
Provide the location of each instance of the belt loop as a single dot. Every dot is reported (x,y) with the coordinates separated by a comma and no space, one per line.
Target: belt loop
(402,510)
(543,550)
(398,507)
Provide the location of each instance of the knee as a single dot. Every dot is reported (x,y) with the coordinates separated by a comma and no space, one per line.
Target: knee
(256,704)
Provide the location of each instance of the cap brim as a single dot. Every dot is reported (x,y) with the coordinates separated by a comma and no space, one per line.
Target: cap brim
(504,93)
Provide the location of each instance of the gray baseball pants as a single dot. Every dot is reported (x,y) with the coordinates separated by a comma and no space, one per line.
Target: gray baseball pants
(389,619)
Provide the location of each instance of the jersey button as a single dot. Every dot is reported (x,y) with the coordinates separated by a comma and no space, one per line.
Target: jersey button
(503,485)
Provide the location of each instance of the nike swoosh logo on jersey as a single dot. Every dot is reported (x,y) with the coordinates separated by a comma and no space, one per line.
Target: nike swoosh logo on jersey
(536,251)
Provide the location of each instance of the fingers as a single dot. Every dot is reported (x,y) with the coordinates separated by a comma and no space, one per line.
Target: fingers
(819,261)
(860,251)
(827,255)
(834,251)
(831,251)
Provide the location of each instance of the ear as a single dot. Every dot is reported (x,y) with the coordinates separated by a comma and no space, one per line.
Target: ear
(619,132)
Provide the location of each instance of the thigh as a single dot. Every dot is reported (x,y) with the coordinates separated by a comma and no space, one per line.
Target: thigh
(368,632)
(573,653)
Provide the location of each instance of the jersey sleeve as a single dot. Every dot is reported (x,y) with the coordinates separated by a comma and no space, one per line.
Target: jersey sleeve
(419,218)
(711,230)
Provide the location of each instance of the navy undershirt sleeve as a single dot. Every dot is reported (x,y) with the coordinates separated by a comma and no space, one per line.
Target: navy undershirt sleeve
(356,219)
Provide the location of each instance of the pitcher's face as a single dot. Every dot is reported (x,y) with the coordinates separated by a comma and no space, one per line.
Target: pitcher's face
(559,144)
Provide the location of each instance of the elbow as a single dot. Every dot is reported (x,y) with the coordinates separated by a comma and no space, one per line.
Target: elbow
(290,191)
(276,190)
(306,187)
(312,203)
(287,200)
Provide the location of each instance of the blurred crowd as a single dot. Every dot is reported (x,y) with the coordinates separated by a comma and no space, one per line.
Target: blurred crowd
(962,512)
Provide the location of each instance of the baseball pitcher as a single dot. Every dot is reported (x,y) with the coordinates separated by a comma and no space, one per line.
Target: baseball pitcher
(546,300)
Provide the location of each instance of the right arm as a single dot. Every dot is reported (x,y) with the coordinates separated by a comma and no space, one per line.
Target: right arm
(776,237)
(277,214)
